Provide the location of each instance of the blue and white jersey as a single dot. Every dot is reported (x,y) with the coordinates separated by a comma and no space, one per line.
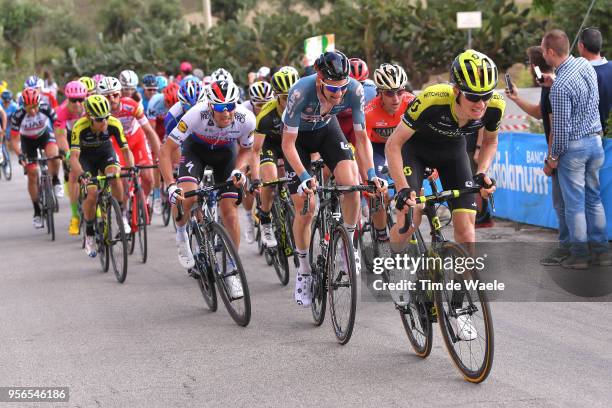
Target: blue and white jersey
(156,107)
(174,115)
(369,90)
(12,108)
(303,110)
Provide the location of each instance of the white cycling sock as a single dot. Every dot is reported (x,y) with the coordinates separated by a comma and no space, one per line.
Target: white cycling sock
(304,268)
(181,233)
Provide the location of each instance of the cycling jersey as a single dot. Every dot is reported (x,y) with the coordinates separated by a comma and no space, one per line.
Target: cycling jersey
(131,115)
(369,90)
(10,109)
(432,115)
(269,121)
(66,119)
(175,113)
(85,139)
(303,111)
(33,126)
(379,123)
(156,107)
(198,125)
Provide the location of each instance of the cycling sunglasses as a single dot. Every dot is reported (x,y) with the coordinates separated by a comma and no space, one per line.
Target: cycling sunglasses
(76,100)
(222,107)
(100,120)
(392,92)
(334,88)
(115,95)
(472,97)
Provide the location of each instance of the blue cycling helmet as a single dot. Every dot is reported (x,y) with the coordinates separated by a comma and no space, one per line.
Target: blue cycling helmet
(149,81)
(32,82)
(6,96)
(162,82)
(190,92)
(191,78)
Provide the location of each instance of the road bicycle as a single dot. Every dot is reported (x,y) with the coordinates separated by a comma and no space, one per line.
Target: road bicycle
(111,239)
(282,214)
(215,255)
(444,295)
(46,195)
(137,212)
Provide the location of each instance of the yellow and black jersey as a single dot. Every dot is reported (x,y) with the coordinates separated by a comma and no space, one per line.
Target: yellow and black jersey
(83,137)
(269,121)
(432,115)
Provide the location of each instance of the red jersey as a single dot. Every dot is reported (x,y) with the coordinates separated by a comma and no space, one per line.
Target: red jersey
(131,115)
(65,119)
(49,98)
(379,124)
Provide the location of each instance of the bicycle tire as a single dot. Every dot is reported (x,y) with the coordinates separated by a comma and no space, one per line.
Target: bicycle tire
(343,322)
(50,213)
(117,241)
(260,245)
(166,211)
(203,252)
(132,235)
(279,258)
(446,302)
(316,258)
(289,218)
(101,233)
(141,233)
(217,233)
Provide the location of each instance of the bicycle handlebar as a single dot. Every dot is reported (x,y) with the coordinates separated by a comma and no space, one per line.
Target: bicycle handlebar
(203,191)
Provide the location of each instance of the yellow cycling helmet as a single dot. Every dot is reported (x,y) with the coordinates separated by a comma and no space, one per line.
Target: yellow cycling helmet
(97,106)
(3,86)
(474,72)
(284,79)
(89,83)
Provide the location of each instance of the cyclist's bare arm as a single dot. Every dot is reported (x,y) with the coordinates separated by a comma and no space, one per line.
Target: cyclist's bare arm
(165,160)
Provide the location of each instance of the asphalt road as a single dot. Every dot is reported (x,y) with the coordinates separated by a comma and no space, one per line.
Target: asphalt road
(152,342)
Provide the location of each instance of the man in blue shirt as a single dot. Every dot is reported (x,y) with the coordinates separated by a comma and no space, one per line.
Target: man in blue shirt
(577,151)
(589,48)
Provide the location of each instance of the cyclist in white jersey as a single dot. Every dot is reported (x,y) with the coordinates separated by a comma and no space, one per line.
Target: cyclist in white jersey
(209,133)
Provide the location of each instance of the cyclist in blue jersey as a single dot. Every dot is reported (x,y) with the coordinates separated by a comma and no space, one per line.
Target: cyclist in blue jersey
(310,125)
(10,107)
(190,92)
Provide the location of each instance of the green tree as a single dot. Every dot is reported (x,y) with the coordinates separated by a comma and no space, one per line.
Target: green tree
(117,17)
(18,18)
(229,9)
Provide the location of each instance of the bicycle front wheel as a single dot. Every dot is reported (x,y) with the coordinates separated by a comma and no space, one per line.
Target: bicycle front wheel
(202,253)
(7,167)
(48,209)
(342,285)
(117,240)
(465,318)
(141,229)
(317,260)
(229,274)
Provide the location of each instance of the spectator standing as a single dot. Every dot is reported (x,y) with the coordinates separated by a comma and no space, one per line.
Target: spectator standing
(50,84)
(577,151)
(589,48)
(543,110)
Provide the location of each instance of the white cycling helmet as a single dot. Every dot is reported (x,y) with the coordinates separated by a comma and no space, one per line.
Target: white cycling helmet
(222,92)
(260,91)
(221,74)
(128,79)
(390,76)
(290,69)
(108,85)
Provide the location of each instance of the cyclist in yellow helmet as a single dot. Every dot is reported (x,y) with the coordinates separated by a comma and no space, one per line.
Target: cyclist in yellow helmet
(89,83)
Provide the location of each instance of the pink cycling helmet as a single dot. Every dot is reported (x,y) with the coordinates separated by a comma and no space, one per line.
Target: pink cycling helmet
(75,89)
(98,77)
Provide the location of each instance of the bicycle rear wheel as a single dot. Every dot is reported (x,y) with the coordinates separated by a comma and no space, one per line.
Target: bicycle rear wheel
(166,210)
(227,263)
(117,240)
(465,318)
(48,207)
(342,285)
(317,262)
(201,252)
(278,255)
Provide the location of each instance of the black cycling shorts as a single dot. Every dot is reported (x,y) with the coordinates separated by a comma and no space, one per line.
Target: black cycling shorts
(95,160)
(271,151)
(196,156)
(30,146)
(329,141)
(453,166)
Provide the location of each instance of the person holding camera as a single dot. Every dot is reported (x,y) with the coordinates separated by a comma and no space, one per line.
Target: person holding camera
(543,110)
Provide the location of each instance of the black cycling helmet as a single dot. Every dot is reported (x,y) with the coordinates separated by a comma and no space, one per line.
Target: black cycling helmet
(332,65)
